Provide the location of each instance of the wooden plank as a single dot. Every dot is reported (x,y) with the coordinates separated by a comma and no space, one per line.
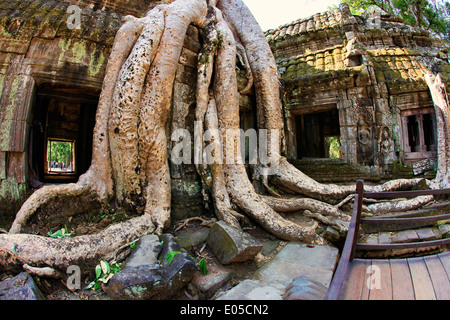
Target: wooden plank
(401,280)
(398,224)
(403,194)
(430,210)
(445,260)
(366,287)
(399,246)
(379,281)
(438,276)
(355,280)
(423,287)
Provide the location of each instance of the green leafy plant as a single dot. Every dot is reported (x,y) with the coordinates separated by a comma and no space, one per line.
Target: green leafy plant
(203,266)
(431,15)
(61,233)
(170,255)
(103,273)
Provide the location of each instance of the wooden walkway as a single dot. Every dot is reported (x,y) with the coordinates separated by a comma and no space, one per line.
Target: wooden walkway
(418,278)
(414,278)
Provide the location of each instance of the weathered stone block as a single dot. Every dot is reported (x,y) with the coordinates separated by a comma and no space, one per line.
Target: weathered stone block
(230,244)
(21,287)
(445,230)
(384,238)
(295,259)
(212,282)
(146,251)
(305,289)
(251,290)
(169,245)
(331,234)
(192,239)
(148,276)
(138,283)
(405,237)
(428,234)
(179,272)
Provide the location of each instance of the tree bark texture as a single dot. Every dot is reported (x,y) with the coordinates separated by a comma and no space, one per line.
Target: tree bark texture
(130,159)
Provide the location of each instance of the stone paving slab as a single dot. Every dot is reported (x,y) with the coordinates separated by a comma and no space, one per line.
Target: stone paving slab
(251,290)
(294,260)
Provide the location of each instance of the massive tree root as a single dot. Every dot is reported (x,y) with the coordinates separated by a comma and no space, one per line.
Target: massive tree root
(129,163)
(130,158)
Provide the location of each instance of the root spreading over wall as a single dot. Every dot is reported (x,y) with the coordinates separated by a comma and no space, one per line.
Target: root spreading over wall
(130,161)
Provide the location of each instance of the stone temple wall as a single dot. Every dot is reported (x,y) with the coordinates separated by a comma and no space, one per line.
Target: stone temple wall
(366,73)
(136,8)
(370,70)
(39,54)
(42,61)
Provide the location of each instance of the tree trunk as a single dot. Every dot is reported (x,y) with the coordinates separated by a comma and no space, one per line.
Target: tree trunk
(442,109)
(130,158)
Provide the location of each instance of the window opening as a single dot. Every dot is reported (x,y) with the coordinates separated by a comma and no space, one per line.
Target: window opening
(60,156)
(419,132)
(355,61)
(428,132)
(413,133)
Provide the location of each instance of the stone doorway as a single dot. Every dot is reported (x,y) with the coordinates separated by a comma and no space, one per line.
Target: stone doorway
(61,135)
(318,135)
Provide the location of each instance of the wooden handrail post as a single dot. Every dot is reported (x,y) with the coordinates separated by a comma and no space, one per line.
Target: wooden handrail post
(344,268)
(357,212)
(349,247)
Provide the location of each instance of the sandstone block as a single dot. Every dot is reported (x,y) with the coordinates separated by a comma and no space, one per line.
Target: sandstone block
(230,244)
(21,287)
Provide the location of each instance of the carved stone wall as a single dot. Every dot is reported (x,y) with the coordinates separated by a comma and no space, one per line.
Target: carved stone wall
(41,55)
(371,69)
(136,8)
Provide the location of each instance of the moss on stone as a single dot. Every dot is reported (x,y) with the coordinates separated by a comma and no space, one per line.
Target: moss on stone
(96,62)
(12,195)
(8,115)
(78,51)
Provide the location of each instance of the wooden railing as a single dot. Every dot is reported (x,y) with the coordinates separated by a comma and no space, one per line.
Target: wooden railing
(351,245)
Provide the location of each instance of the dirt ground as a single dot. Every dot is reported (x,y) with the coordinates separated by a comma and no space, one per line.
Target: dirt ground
(90,222)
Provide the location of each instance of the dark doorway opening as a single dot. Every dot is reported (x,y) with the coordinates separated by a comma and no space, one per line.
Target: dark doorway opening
(413,133)
(61,134)
(419,132)
(318,135)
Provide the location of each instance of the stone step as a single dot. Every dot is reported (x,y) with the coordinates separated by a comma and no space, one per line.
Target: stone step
(406,236)
(399,225)
(432,210)
(396,222)
(298,271)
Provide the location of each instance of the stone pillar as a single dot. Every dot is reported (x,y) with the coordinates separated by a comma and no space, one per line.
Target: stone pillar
(15,104)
